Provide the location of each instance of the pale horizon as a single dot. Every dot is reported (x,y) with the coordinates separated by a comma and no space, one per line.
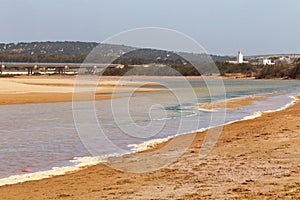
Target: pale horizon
(222,28)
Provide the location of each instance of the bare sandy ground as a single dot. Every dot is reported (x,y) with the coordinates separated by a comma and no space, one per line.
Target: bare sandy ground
(32,89)
(253,159)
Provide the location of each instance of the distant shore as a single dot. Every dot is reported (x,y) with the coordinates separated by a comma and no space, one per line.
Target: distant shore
(253,159)
(60,88)
(45,89)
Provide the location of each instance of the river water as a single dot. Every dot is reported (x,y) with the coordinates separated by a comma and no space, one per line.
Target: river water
(42,136)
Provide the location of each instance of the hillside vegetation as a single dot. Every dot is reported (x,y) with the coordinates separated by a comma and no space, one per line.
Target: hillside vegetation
(150,61)
(280,71)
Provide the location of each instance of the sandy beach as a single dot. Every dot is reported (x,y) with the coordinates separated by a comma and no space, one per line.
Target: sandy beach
(253,159)
(149,100)
(24,89)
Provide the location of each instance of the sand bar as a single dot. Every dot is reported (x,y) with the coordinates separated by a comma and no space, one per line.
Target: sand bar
(24,89)
(234,103)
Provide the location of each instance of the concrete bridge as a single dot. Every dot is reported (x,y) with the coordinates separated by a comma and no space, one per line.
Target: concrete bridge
(60,68)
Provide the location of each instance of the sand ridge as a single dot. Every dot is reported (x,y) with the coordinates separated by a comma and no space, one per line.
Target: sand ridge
(20,90)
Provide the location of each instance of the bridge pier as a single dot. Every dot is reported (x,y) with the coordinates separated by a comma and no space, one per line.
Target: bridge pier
(91,70)
(61,70)
(29,70)
(2,68)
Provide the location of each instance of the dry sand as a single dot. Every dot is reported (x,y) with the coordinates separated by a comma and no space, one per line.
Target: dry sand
(253,159)
(26,89)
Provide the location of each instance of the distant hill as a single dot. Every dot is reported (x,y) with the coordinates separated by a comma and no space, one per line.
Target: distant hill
(200,58)
(146,56)
(68,51)
(63,48)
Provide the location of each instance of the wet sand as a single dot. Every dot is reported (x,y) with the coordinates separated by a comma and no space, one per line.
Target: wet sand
(234,103)
(253,159)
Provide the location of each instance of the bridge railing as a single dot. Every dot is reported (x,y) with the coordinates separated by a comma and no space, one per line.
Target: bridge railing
(60,68)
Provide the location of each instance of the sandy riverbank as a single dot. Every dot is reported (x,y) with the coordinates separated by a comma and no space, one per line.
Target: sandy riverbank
(24,89)
(253,159)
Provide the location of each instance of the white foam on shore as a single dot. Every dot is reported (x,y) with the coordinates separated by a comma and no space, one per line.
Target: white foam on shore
(152,143)
(147,145)
(206,110)
(55,171)
(255,115)
(259,114)
(295,99)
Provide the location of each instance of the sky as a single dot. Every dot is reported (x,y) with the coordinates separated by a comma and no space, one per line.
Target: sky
(222,27)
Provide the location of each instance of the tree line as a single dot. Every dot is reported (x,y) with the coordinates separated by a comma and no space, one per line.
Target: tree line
(173,67)
(286,71)
(14,57)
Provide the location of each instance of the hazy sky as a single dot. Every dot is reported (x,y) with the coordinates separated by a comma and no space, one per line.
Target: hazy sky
(220,26)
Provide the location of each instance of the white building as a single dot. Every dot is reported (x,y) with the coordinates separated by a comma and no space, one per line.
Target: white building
(268,61)
(240,58)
